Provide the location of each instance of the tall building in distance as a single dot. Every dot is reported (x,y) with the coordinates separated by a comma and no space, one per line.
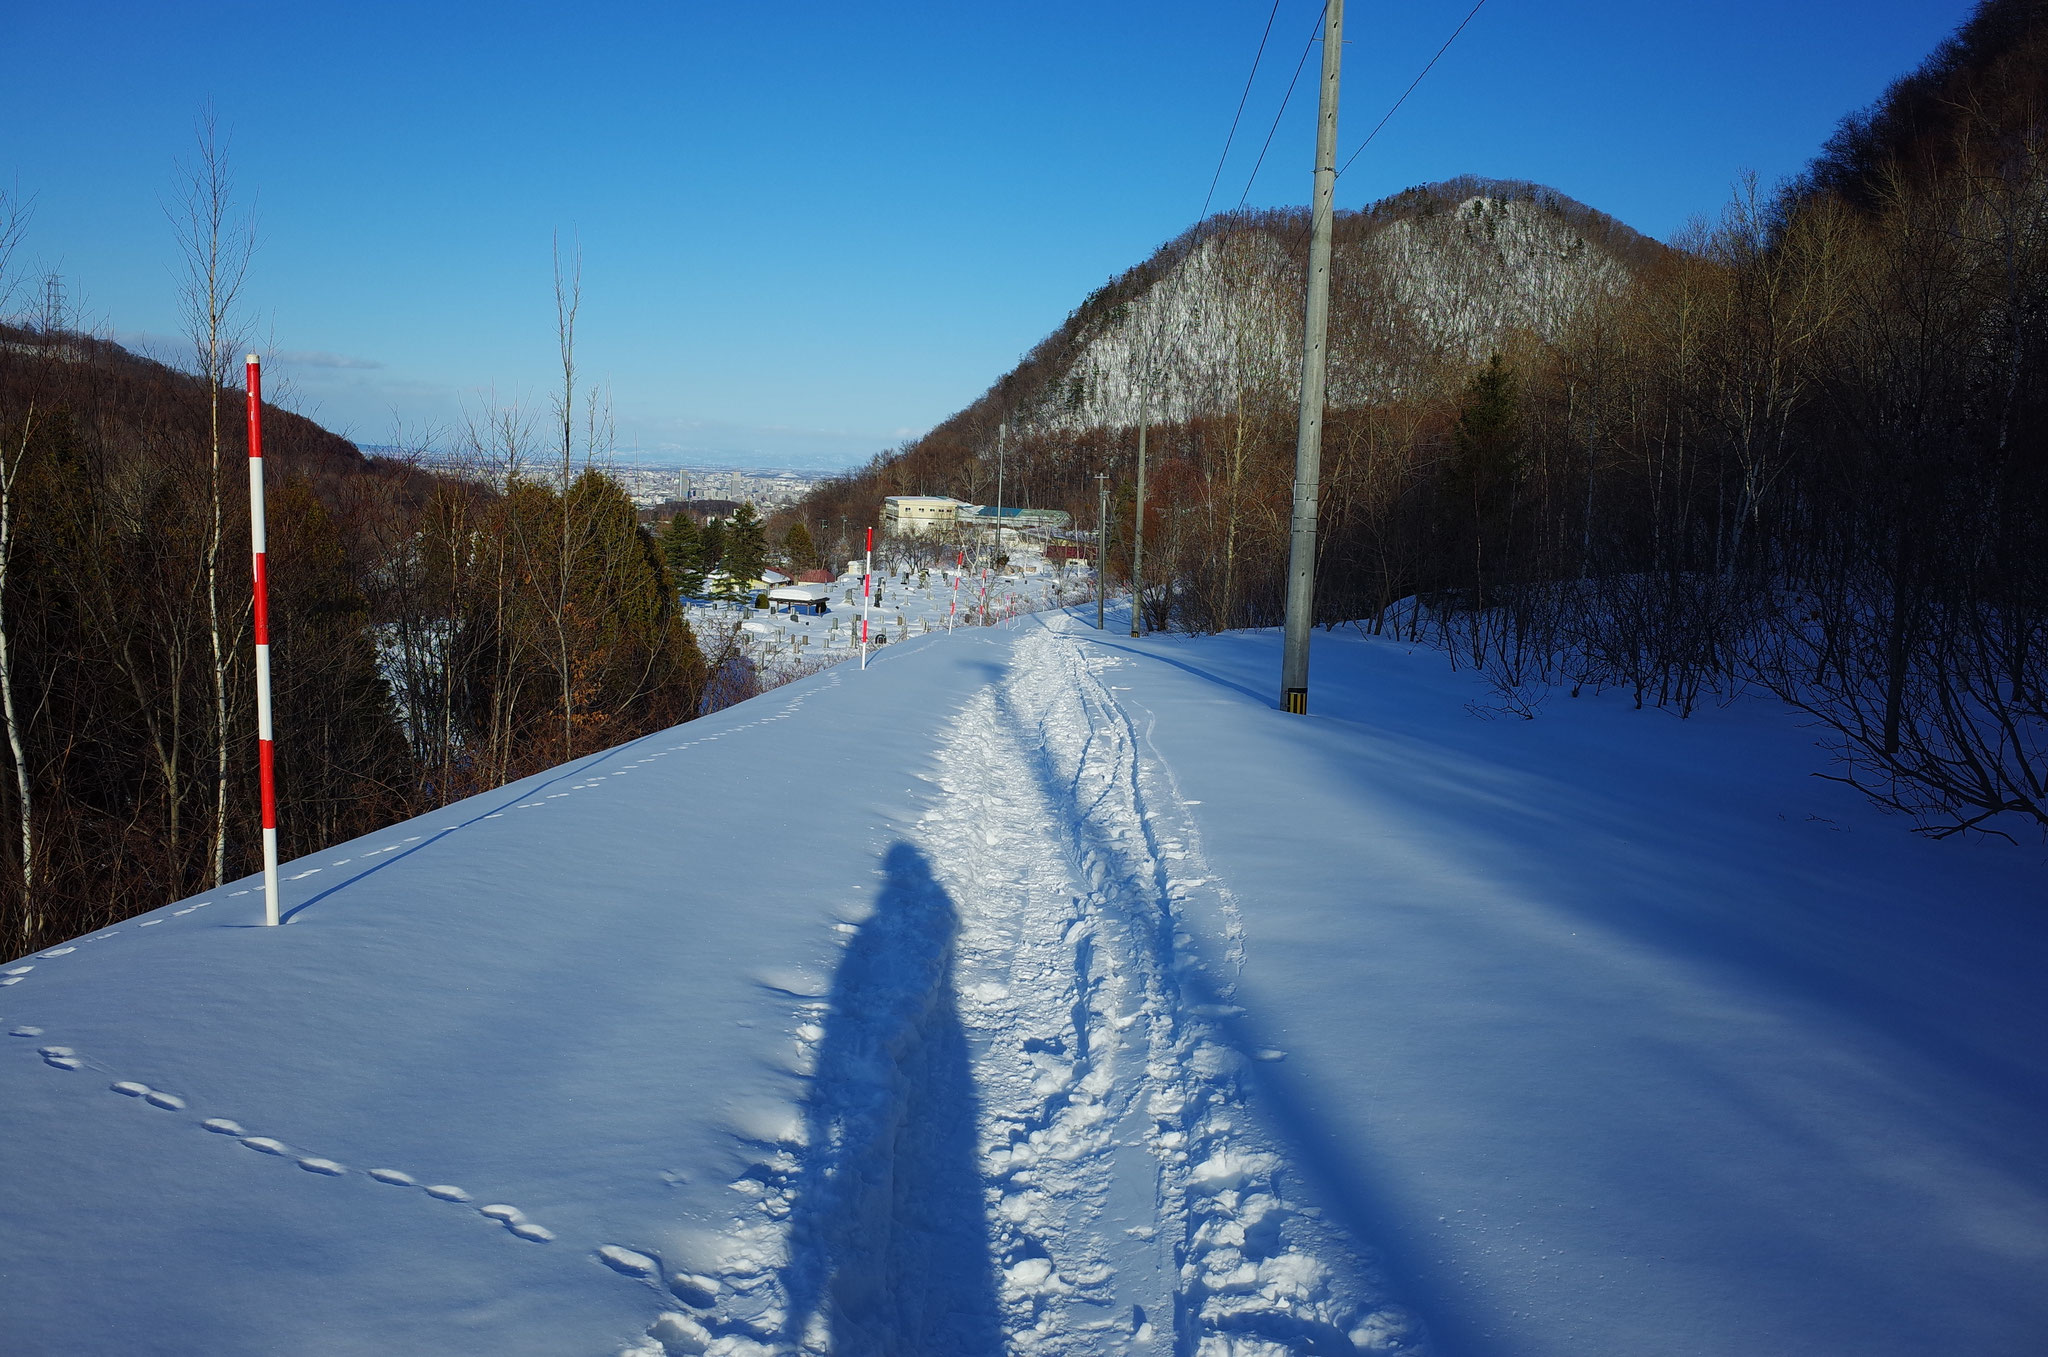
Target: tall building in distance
(683,484)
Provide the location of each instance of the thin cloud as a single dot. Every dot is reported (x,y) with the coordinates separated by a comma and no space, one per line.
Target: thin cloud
(316,358)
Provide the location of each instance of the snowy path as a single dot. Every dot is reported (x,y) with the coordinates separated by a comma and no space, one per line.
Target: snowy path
(1019,1077)
(1045,992)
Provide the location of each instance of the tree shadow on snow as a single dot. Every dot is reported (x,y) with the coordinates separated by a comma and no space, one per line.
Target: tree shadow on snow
(889,1247)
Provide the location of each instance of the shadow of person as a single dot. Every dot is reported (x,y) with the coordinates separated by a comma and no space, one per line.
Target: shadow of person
(889,1240)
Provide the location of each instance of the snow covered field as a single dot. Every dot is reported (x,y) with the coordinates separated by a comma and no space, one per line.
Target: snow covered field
(1045,991)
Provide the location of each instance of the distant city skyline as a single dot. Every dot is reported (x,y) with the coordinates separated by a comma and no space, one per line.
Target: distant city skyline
(809,235)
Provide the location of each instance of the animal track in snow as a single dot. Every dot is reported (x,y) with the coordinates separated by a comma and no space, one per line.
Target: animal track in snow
(513,1219)
(60,1057)
(169,1102)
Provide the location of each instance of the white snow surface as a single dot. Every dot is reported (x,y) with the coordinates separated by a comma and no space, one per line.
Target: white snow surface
(1041,990)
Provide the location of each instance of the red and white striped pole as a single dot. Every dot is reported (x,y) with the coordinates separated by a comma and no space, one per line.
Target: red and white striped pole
(867,593)
(959,569)
(265,750)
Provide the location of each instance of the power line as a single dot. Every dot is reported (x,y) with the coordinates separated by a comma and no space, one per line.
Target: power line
(1411,87)
(1214,179)
(1307,47)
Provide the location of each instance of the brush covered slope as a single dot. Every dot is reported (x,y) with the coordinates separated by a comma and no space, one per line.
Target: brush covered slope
(1045,991)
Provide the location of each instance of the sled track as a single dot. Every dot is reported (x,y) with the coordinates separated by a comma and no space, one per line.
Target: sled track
(1025,1135)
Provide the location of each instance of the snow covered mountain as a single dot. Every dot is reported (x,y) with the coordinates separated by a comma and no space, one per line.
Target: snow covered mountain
(1039,990)
(1433,278)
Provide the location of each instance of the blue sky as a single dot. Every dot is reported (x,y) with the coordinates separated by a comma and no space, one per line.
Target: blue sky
(810,231)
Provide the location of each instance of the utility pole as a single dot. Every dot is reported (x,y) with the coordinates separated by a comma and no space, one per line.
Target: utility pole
(1101,544)
(1308,447)
(1001,429)
(1138,527)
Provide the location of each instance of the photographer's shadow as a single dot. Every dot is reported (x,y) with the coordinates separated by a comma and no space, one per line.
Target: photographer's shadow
(889,1239)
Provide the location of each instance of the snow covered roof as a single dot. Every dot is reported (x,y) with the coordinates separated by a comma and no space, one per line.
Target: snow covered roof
(799,593)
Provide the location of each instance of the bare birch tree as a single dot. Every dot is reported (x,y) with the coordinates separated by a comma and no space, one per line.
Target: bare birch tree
(13,456)
(216,257)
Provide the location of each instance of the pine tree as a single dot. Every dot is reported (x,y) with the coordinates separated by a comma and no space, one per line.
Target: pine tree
(746,548)
(1488,438)
(682,548)
(711,541)
(1486,463)
(798,549)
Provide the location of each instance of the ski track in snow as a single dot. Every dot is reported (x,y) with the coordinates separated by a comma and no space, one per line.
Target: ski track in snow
(1132,1203)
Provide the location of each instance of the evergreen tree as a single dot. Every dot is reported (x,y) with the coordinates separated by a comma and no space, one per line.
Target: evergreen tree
(1485,465)
(1488,439)
(746,548)
(798,549)
(711,544)
(682,549)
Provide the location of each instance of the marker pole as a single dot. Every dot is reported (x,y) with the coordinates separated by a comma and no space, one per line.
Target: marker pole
(266,763)
(867,594)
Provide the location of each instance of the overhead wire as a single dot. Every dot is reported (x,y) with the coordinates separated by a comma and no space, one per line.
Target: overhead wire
(1285,99)
(1411,87)
(1237,117)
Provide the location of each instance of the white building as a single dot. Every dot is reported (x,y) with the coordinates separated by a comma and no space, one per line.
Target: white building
(909,515)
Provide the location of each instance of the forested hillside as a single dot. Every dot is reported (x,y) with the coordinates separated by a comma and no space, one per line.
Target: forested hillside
(431,637)
(1802,448)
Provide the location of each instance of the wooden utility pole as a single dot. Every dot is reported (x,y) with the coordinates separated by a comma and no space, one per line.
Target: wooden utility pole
(1308,447)
(1138,528)
(1101,544)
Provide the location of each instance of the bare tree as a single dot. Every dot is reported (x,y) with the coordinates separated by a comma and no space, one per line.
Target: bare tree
(13,455)
(568,300)
(216,256)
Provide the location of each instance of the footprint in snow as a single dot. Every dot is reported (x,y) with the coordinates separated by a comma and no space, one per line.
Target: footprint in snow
(513,1219)
(26,1032)
(325,1167)
(394,1177)
(221,1126)
(169,1102)
(443,1192)
(60,1057)
(627,1261)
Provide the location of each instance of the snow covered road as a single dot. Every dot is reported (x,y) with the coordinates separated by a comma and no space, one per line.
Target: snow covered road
(1046,992)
